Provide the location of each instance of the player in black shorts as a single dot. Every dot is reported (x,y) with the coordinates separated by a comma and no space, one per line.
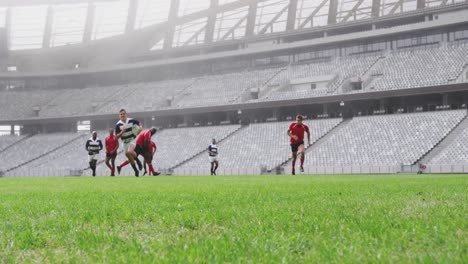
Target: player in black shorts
(143,147)
(112,145)
(296,133)
(295,147)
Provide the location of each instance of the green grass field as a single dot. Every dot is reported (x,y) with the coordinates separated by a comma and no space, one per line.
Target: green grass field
(235,219)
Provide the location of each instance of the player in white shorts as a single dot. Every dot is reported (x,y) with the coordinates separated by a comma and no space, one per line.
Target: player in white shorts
(213,156)
(93,146)
(124,130)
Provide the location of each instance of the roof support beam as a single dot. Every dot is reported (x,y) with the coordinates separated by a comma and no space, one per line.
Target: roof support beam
(152,33)
(88,30)
(210,24)
(332,10)
(252,16)
(292,10)
(233,28)
(48,27)
(352,11)
(273,20)
(173,13)
(375,8)
(47,2)
(194,36)
(8,26)
(169,26)
(131,17)
(395,8)
(311,16)
(420,4)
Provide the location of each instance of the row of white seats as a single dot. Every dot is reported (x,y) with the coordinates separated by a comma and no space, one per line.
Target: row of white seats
(419,68)
(397,70)
(17,105)
(34,147)
(72,156)
(225,88)
(173,147)
(179,144)
(341,68)
(7,141)
(384,140)
(263,144)
(455,153)
(141,97)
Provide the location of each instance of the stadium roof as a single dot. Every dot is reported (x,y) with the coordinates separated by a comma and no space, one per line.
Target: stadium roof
(46,2)
(34,24)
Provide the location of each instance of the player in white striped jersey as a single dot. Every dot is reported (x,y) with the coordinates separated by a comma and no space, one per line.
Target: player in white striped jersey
(124,130)
(93,146)
(213,156)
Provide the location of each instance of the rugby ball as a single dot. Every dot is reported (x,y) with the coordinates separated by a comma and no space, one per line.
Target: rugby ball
(136,130)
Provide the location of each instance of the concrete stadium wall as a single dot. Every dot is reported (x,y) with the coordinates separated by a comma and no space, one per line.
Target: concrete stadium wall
(311,170)
(450,168)
(329,170)
(220,171)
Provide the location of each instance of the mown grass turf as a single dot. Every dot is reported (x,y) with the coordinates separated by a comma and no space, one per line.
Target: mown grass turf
(246,219)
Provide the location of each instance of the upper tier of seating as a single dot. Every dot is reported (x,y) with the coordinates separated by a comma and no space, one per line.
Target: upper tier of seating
(339,70)
(393,70)
(419,68)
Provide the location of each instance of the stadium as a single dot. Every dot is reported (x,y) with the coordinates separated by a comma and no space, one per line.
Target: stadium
(382,85)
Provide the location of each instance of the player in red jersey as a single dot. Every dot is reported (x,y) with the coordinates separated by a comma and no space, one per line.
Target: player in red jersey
(296,133)
(112,145)
(143,148)
(152,151)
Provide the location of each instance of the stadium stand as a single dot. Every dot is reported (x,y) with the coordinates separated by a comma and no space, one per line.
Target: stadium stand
(220,89)
(8,141)
(74,102)
(420,67)
(394,70)
(147,96)
(33,148)
(398,139)
(338,70)
(61,161)
(67,160)
(17,105)
(263,144)
(66,154)
(455,153)
(357,61)
(177,145)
